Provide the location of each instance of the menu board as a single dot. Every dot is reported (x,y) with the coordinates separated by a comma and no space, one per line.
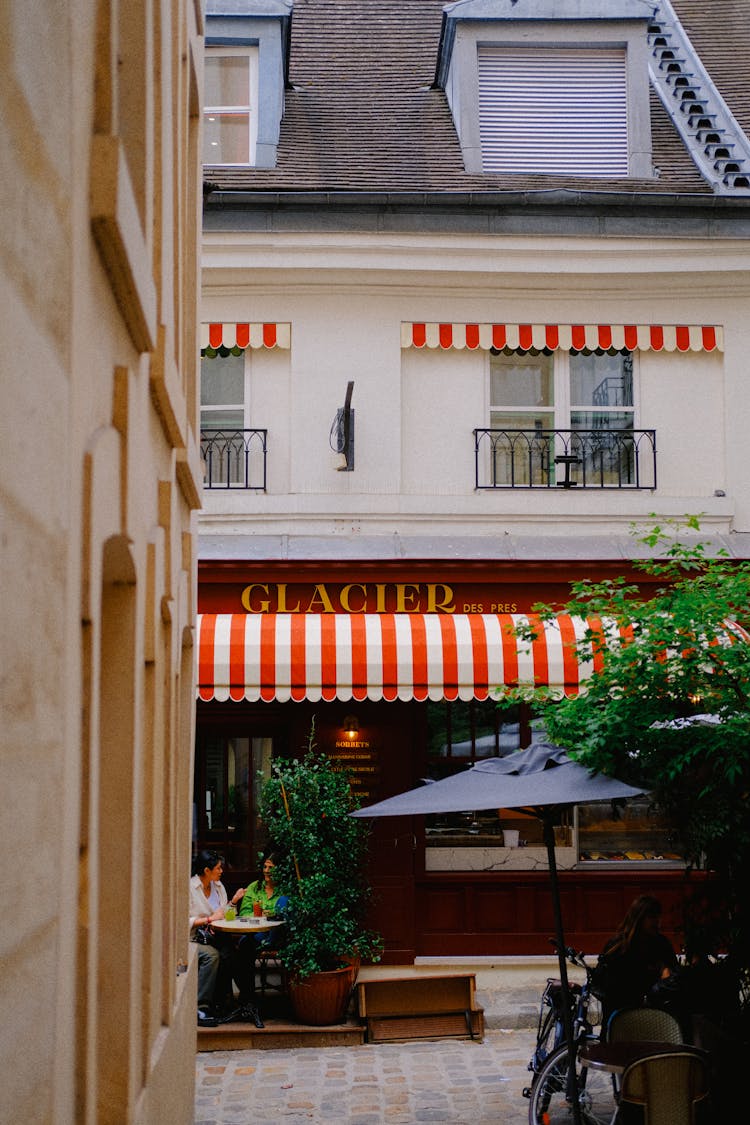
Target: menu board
(359,760)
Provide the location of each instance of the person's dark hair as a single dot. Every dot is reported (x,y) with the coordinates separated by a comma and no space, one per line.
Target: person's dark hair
(205,859)
(641,908)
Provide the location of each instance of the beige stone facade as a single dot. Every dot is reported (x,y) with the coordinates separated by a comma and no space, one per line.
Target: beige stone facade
(99,129)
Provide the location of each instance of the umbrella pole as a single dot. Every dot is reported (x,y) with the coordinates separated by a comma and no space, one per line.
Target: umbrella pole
(549,840)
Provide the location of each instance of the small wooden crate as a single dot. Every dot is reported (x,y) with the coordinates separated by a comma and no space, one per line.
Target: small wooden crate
(421,1007)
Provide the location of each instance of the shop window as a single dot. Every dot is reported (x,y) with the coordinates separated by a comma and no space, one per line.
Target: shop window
(230,118)
(560,417)
(462,733)
(636,834)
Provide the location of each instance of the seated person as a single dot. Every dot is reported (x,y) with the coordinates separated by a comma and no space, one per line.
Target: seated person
(261,896)
(634,959)
(208,903)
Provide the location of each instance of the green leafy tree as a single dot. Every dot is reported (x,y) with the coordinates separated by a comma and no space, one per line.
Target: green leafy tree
(669,709)
(320,864)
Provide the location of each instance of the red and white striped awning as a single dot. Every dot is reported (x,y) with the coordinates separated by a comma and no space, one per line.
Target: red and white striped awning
(385,655)
(247,335)
(565,337)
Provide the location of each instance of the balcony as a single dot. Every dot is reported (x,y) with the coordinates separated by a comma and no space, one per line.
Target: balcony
(234,459)
(602,459)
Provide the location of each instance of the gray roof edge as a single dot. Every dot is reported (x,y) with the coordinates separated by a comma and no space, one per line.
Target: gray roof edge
(222,199)
(519,548)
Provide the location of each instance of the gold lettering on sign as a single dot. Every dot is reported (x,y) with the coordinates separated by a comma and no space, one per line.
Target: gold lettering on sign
(446,605)
(406,591)
(246,599)
(380,597)
(320,594)
(344,598)
(282,607)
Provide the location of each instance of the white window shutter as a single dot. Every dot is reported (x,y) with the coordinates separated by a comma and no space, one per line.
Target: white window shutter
(553,110)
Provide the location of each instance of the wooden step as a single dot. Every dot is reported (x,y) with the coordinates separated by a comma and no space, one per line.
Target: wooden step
(278,1034)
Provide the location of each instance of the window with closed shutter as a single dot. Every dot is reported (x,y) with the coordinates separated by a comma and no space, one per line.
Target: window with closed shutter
(553,110)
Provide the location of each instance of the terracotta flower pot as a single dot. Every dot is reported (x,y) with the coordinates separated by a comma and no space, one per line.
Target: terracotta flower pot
(321,999)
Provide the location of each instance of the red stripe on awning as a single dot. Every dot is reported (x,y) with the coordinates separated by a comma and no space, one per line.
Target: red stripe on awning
(215,335)
(243,335)
(472,336)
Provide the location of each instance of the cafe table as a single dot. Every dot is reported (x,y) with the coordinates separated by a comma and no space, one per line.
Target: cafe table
(238,928)
(617,1057)
(247,925)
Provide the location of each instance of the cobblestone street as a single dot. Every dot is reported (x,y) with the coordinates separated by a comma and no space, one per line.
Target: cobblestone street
(398,1083)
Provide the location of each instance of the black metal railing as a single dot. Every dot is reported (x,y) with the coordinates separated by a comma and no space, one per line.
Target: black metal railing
(565,458)
(234,458)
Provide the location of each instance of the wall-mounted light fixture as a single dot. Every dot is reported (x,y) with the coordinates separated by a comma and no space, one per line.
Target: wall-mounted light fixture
(351,726)
(341,437)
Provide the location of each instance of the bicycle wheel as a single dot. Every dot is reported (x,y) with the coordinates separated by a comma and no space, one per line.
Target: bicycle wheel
(549,1103)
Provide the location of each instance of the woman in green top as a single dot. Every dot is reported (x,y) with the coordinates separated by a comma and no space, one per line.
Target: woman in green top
(264,892)
(271,902)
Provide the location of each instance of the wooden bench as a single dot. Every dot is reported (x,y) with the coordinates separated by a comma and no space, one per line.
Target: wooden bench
(420,1007)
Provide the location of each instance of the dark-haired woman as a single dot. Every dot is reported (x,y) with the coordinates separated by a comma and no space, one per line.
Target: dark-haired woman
(208,903)
(635,958)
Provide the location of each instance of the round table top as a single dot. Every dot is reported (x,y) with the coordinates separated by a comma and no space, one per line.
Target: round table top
(247,925)
(617,1057)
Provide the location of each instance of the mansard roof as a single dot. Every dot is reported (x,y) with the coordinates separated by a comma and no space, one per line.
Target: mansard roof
(363,113)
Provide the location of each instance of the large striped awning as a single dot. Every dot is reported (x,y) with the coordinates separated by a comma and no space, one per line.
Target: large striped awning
(385,656)
(565,337)
(244,335)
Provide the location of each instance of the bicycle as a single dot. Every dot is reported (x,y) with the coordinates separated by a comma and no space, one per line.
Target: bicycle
(549,1102)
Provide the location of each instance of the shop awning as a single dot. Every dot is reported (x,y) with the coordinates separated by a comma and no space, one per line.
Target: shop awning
(385,656)
(565,337)
(240,336)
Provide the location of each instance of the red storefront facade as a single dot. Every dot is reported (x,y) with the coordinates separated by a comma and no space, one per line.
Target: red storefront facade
(395,661)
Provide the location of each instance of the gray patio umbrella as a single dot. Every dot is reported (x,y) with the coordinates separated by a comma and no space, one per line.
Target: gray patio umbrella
(540,780)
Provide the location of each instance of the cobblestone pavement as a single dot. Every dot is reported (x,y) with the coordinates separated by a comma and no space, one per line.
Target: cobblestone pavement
(374,1084)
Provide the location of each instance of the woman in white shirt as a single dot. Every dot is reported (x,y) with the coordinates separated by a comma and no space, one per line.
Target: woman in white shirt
(208,903)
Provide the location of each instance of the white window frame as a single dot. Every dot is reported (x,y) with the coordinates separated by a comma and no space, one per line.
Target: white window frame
(562,408)
(250,108)
(206,410)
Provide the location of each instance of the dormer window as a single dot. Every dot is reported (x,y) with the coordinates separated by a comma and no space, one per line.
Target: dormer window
(553,87)
(554,110)
(247,63)
(230,119)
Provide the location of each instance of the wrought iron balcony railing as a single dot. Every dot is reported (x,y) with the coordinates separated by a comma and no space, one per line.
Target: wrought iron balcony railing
(565,459)
(234,458)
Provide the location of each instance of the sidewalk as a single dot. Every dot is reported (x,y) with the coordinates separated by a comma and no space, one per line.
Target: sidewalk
(449,1080)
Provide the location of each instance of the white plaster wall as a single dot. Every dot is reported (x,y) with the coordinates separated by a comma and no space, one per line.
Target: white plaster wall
(346,295)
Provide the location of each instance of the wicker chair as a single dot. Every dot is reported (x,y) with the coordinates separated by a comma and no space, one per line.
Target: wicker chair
(669,1089)
(643,1024)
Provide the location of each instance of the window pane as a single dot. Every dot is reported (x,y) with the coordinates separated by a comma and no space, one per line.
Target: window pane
(601,420)
(223,380)
(227,80)
(226,138)
(229,420)
(601,380)
(521,380)
(521,459)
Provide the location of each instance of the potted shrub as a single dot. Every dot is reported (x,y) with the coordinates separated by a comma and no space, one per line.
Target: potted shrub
(320,863)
